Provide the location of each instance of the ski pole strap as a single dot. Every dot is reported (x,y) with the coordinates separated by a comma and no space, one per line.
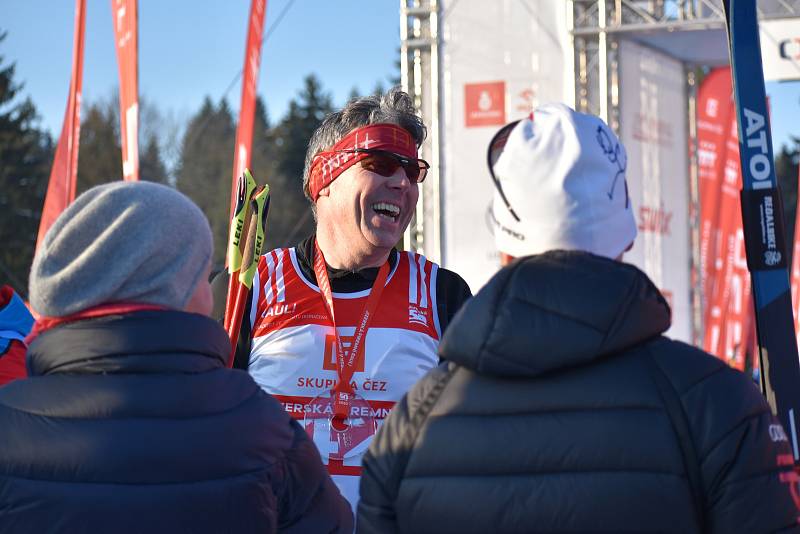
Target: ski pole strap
(245,187)
(255,236)
(762,219)
(346,359)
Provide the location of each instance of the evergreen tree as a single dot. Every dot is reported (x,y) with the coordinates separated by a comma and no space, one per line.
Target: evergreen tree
(151,166)
(302,119)
(395,78)
(264,164)
(26,154)
(379,89)
(291,218)
(263,157)
(204,170)
(354,93)
(100,153)
(152,128)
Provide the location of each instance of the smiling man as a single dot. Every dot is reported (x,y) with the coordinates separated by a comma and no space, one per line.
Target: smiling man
(342,325)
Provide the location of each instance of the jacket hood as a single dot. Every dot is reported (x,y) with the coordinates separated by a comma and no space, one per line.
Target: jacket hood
(554,310)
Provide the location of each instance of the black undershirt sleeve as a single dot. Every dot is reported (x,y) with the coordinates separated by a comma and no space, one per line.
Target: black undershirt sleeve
(451,293)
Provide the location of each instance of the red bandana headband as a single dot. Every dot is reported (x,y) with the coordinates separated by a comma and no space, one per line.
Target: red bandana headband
(329,164)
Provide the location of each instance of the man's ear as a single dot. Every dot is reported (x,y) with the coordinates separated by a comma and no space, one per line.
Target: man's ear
(324,192)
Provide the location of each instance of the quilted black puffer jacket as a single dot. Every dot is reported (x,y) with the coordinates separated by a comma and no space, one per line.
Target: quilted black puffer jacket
(562,408)
(132,423)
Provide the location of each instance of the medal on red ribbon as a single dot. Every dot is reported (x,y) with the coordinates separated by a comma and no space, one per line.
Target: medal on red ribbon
(340,421)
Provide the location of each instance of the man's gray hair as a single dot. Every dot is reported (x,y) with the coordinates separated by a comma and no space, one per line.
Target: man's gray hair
(393,107)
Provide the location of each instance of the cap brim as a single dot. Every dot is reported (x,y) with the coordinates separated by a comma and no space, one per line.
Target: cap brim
(496,147)
(498,144)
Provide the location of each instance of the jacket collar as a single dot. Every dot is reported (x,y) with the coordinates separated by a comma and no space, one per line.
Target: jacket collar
(555,310)
(138,342)
(305,258)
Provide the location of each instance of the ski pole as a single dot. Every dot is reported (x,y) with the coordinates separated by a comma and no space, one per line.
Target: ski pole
(253,244)
(245,186)
(762,218)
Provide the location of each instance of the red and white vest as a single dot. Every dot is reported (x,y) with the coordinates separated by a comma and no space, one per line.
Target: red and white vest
(292,354)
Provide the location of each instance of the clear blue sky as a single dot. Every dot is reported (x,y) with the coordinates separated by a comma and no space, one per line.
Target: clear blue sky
(785,112)
(192,48)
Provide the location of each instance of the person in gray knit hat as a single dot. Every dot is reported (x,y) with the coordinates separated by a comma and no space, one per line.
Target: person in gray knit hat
(130,421)
(123,242)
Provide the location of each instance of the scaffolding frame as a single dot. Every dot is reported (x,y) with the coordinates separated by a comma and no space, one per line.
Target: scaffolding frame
(419,77)
(595,28)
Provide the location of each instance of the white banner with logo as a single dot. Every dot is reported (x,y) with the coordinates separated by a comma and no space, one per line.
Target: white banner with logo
(653,129)
(518,61)
(780,49)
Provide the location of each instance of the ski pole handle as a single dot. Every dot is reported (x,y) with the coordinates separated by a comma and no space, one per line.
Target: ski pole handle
(253,244)
(245,187)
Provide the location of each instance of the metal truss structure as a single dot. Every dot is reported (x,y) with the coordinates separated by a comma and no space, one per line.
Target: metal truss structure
(596,28)
(598,25)
(419,75)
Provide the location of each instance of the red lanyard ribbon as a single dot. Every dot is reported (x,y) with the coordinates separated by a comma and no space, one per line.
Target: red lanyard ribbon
(346,359)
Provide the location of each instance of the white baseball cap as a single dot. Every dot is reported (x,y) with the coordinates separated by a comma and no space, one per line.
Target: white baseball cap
(560,184)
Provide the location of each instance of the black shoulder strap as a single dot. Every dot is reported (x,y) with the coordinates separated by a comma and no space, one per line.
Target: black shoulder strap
(403,452)
(680,425)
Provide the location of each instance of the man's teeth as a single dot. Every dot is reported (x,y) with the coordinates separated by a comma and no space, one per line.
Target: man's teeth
(385,209)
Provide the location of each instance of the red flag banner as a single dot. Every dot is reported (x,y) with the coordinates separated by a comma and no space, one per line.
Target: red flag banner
(126,37)
(795,274)
(713,117)
(252,60)
(64,173)
(737,315)
(727,313)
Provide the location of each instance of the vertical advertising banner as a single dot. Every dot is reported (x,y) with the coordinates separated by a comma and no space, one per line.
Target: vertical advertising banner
(64,173)
(517,63)
(713,117)
(728,292)
(247,109)
(795,275)
(126,37)
(653,128)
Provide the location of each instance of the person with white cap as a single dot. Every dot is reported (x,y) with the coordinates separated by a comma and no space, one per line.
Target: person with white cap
(560,405)
(129,420)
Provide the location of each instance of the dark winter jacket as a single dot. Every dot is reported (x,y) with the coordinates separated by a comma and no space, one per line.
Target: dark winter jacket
(562,408)
(131,423)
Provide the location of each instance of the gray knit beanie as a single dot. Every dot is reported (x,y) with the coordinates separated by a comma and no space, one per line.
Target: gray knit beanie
(121,242)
